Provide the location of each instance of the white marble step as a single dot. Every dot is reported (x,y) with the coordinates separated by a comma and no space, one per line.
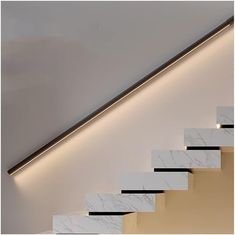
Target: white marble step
(120,202)
(186,159)
(225,115)
(87,224)
(155,181)
(222,137)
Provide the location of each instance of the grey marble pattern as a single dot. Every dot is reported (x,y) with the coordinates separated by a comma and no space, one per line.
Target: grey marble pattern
(222,137)
(186,159)
(120,202)
(87,224)
(225,115)
(155,181)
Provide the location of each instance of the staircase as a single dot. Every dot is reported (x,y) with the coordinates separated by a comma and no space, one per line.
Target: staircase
(145,191)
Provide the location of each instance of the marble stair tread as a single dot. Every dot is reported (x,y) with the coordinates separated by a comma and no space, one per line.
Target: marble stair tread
(145,181)
(120,202)
(87,224)
(186,159)
(209,137)
(225,115)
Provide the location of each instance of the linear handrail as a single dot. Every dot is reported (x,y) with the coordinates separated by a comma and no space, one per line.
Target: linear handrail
(121,96)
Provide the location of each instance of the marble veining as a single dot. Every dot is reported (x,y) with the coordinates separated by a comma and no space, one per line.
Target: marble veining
(155,181)
(186,159)
(225,115)
(87,224)
(120,202)
(209,137)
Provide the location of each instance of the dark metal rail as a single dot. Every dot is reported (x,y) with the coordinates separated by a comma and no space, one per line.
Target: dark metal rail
(119,97)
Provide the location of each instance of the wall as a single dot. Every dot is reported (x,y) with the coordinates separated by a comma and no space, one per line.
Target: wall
(60,62)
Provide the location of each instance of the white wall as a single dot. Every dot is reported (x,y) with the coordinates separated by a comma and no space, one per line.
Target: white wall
(62,60)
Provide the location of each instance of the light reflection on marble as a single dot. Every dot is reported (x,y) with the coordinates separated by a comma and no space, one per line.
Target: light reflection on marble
(186,159)
(155,181)
(120,202)
(87,224)
(209,137)
(225,115)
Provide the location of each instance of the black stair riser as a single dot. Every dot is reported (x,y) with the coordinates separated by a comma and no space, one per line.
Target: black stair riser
(172,170)
(108,213)
(142,191)
(202,148)
(227,126)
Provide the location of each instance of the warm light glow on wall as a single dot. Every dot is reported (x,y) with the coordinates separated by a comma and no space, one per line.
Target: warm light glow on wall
(90,145)
(121,96)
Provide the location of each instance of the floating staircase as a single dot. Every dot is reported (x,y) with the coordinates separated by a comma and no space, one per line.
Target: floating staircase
(144,191)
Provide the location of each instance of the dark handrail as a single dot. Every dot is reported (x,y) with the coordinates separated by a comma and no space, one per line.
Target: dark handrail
(119,97)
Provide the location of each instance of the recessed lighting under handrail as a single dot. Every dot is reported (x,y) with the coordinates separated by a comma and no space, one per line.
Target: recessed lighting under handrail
(121,96)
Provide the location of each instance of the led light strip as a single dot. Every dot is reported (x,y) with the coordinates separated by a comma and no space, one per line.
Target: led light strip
(121,96)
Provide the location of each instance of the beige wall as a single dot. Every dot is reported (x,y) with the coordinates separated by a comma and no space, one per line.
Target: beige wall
(83,59)
(121,140)
(206,208)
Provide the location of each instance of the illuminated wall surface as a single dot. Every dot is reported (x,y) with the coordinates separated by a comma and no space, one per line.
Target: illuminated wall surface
(120,141)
